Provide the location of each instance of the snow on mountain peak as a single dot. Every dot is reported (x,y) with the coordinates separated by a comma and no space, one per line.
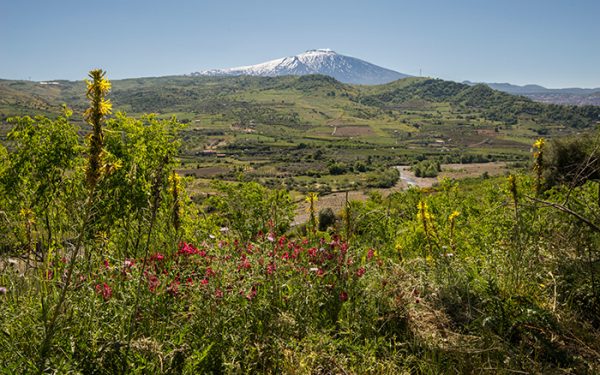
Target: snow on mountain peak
(315,61)
(321,50)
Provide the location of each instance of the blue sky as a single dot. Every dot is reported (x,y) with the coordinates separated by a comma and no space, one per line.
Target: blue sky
(553,43)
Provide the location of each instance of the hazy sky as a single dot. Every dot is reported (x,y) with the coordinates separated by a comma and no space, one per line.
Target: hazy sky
(550,42)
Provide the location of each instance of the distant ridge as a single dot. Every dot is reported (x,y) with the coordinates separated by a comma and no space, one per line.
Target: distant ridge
(574,95)
(317,61)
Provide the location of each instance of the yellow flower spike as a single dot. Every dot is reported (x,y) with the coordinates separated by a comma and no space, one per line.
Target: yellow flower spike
(539,144)
(174,182)
(453,215)
(97,88)
(104,85)
(105,107)
(311,197)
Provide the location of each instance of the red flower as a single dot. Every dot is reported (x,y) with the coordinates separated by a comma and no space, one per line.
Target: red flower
(361,271)
(157,257)
(209,272)
(244,264)
(218,293)
(173,288)
(153,283)
(251,294)
(344,248)
(370,254)
(281,240)
(104,290)
(343,296)
(204,282)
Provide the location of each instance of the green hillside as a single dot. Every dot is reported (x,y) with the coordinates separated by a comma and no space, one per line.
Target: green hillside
(289,127)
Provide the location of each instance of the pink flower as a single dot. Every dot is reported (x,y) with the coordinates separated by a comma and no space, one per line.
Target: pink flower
(251,294)
(209,272)
(344,248)
(3,290)
(245,264)
(370,254)
(271,237)
(343,296)
(361,271)
(189,249)
(271,268)
(173,288)
(153,283)
(104,290)
(281,240)
(218,293)
(157,257)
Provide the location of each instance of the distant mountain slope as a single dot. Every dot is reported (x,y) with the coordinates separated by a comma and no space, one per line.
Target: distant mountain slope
(493,104)
(318,61)
(573,95)
(294,100)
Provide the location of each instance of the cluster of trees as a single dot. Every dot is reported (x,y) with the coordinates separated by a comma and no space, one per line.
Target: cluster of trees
(427,168)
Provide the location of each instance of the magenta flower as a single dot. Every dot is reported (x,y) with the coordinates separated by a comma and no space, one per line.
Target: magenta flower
(361,271)
(370,254)
(104,290)
(153,283)
(343,296)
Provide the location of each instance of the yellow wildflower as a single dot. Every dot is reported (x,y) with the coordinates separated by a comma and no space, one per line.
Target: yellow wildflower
(105,107)
(539,144)
(311,197)
(453,215)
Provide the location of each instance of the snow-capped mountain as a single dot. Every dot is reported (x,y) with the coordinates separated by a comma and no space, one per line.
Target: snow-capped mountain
(317,61)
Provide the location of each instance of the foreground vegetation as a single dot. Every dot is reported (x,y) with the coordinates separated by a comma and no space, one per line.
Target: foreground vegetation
(107,265)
